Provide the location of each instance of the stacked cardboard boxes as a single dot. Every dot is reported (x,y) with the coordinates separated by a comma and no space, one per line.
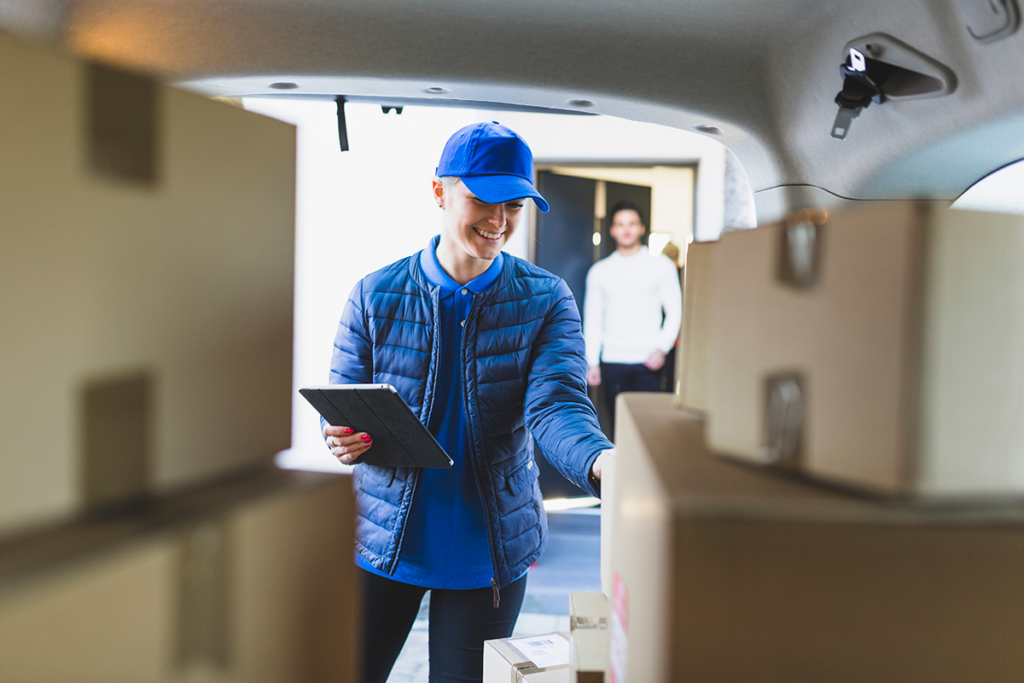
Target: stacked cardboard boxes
(146,289)
(833,494)
(727,572)
(894,367)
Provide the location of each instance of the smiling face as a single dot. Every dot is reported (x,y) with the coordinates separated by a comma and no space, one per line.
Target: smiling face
(474,231)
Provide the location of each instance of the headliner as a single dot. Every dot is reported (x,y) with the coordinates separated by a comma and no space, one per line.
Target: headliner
(762,71)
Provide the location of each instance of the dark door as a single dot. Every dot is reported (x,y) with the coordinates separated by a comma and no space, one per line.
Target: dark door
(565,234)
(565,246)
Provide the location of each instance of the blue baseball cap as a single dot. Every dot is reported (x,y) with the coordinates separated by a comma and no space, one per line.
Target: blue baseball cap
(493,162)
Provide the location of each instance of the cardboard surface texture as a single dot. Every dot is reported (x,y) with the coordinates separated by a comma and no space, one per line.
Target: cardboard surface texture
(692,369)
(905,352)
(148,251)
(276,603)
(589,636)
(607,494)
(543,658)
(726,572)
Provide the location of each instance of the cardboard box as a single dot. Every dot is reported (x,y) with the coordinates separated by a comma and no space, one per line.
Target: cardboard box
(895,367)
(146,286)
(251,581)
(607,495)
(542,658)
(726,572)
(588,629)
(694,348)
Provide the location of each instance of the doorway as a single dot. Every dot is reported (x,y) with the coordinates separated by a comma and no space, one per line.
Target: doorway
(574,235)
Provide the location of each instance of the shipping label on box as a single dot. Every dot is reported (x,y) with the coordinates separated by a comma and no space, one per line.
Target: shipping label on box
(530,659)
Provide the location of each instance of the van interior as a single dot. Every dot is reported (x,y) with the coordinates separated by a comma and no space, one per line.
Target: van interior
(833,489)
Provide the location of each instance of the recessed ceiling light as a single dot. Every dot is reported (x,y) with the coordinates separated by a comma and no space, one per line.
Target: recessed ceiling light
(436,90)
(581,103)
(284,86)
(710,130)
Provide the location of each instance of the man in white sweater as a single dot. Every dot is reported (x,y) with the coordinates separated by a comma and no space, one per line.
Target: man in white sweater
(631,311)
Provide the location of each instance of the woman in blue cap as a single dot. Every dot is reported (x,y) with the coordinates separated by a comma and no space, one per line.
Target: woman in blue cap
(487,349)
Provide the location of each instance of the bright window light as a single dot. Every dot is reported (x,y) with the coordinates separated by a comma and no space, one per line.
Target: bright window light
(998,192)
(658,240)
(559,504)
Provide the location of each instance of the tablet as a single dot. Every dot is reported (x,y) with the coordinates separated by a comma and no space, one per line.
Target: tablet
(399,438)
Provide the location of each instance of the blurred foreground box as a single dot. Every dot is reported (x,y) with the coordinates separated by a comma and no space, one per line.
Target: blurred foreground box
(248,581)
(146,287)
(881,347)
(727,572)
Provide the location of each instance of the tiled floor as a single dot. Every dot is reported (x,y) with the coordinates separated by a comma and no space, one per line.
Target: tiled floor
(571,563)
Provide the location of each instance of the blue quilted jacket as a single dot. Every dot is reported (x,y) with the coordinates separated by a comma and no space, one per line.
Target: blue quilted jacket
(524,374)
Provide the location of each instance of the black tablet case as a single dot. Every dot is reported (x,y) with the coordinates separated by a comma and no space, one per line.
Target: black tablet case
(399,438)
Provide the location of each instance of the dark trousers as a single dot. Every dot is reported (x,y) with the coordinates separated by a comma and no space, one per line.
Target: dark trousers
(619,377)
(460,622)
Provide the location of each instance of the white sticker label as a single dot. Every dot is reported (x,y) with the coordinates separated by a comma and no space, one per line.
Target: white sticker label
(543,651)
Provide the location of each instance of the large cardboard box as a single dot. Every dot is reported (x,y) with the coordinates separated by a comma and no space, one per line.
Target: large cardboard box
(726,572)
(249,582)
(146,286)
(543,658)
(894,363)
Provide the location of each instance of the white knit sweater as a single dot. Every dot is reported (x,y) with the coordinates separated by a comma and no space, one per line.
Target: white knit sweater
(624,304)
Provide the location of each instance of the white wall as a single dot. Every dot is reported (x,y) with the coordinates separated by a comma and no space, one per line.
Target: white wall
(362,209)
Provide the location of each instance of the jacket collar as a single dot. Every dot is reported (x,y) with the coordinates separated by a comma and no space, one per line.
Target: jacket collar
(437,277)
(420,278)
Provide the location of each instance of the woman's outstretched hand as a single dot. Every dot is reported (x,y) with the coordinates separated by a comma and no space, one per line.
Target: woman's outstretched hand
(346,444)
(595,470)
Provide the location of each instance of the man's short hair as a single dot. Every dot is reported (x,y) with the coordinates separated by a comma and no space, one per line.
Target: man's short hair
(626,206)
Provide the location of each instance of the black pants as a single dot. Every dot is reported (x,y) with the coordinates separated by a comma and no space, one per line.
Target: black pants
(460,622)
(619,377)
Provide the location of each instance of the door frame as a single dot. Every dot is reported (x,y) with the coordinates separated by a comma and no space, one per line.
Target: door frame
(587,168)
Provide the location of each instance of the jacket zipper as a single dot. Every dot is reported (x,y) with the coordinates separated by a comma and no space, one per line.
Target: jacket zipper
(436,311)
(473,455)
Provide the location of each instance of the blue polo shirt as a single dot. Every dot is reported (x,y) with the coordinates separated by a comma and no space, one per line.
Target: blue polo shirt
(445,543)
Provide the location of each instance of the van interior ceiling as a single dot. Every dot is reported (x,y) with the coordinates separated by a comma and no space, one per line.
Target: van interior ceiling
(763,76)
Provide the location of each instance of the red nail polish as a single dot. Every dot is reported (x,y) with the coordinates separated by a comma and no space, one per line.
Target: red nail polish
(366,438)
(348,431)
